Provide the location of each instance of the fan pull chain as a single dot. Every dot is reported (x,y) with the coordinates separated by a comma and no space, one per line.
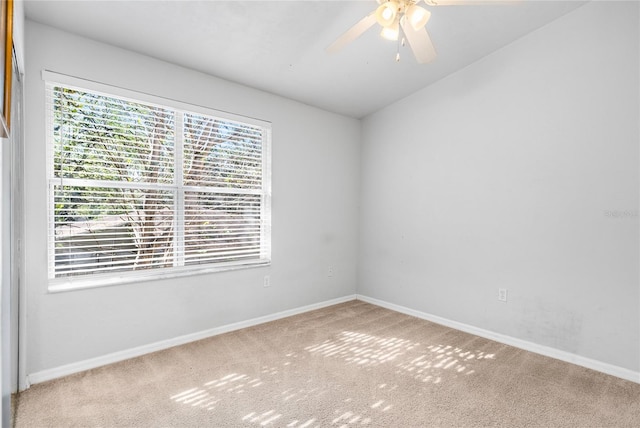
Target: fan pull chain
(401,41)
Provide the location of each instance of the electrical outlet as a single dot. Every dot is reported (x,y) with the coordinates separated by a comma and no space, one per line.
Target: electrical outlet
(330,271)
(267,281)
(502,294)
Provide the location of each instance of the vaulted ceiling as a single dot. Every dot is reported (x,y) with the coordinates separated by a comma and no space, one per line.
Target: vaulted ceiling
(279,46)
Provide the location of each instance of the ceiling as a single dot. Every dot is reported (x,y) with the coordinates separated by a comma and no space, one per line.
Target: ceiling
(278,46)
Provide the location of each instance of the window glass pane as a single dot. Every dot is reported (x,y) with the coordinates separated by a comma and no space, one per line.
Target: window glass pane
(104,138)
(101,229)
(221,227)
(221,153)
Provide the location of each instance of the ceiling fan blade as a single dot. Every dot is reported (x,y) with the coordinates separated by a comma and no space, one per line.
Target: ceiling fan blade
(353,33)
(420,43)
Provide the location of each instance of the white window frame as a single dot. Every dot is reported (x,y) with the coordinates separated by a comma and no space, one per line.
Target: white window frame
(105,279)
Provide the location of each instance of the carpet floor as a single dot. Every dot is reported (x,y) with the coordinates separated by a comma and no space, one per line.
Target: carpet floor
(352,364)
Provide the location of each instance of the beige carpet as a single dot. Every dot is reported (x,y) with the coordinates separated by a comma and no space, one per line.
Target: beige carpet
(352,364)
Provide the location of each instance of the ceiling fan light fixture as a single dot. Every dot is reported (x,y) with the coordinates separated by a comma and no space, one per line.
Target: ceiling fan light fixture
(386,13)
(400,20)
(417,16)
(391,32)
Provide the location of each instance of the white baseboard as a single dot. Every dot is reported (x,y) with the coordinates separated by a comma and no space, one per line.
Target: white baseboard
(80,366)
(512,341)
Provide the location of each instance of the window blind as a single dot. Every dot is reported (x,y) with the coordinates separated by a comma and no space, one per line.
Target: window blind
(136,186)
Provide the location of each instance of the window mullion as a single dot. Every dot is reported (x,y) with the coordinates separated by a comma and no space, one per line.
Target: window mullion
(265,205)
(179,193)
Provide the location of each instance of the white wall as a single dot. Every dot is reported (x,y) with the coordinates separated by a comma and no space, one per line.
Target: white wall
(315,158)
(506,174)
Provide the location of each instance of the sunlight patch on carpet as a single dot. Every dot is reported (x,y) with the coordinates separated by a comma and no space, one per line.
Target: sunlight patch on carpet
(282,405)
(263,419)
(441,359)
(212,392)
(363,349)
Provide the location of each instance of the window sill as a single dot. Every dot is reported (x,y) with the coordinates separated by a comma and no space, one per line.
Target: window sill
(60,285)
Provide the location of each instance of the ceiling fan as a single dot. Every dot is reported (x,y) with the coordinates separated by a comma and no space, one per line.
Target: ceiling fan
(400,20)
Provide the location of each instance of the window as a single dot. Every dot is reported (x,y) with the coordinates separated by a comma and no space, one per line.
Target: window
(139,188)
